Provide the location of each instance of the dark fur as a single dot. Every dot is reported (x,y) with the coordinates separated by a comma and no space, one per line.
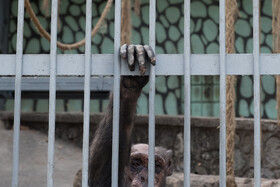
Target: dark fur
(101,146)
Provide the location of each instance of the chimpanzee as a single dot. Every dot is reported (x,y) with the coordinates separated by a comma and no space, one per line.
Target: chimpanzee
(133,160)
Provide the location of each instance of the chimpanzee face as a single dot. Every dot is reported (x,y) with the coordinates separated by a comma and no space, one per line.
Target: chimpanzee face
(137,170)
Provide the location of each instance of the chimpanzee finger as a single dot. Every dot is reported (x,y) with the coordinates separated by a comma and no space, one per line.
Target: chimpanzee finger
(140,55)
(123,51)
(150,53)
(131,58)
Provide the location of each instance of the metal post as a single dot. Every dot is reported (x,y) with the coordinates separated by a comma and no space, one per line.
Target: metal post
(116,103)
(52,97)
(222,95)
(187,94)
(17,105)
(87,93)
(152,41)
(257,127)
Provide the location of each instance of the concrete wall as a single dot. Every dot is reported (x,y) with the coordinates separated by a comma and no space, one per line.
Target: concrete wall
(169,133)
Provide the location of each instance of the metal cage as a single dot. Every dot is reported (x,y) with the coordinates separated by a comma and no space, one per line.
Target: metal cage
(186,64)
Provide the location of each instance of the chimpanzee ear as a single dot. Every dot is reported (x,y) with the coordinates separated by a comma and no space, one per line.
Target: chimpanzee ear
(169,163)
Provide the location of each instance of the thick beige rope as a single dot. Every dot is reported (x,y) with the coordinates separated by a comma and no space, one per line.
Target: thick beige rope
(126,26)
(137,7)
(276,48)
(46,7)
(60,45)
(231,16)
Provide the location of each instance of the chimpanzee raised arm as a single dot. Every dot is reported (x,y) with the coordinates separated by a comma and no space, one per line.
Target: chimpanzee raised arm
(132,164)
(101,147)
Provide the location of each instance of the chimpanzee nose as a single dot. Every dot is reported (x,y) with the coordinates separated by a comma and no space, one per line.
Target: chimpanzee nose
(144,175)
(143,179)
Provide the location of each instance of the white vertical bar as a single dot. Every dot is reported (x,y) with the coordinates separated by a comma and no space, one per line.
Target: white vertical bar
(87,93)
(52,96)
(222,95)
(187,94)
(116,102)
(257,127)
(152,42)
(17,105)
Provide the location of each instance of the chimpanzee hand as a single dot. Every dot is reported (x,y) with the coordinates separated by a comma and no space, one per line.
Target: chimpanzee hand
(140,54)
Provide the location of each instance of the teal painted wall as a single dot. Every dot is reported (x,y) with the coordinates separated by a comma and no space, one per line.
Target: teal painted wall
(169,35)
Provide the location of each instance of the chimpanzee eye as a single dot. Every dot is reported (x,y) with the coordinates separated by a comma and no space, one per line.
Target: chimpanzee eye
(135,164)
(158,168)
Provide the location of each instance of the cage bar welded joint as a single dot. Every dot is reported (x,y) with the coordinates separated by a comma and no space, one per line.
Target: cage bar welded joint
(186,64)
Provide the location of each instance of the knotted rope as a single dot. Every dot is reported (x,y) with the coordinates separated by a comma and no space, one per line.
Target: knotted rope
(61,45)
(231,16)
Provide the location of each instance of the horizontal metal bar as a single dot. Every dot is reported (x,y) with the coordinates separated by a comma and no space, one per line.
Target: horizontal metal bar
(63,84)
(204,64)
